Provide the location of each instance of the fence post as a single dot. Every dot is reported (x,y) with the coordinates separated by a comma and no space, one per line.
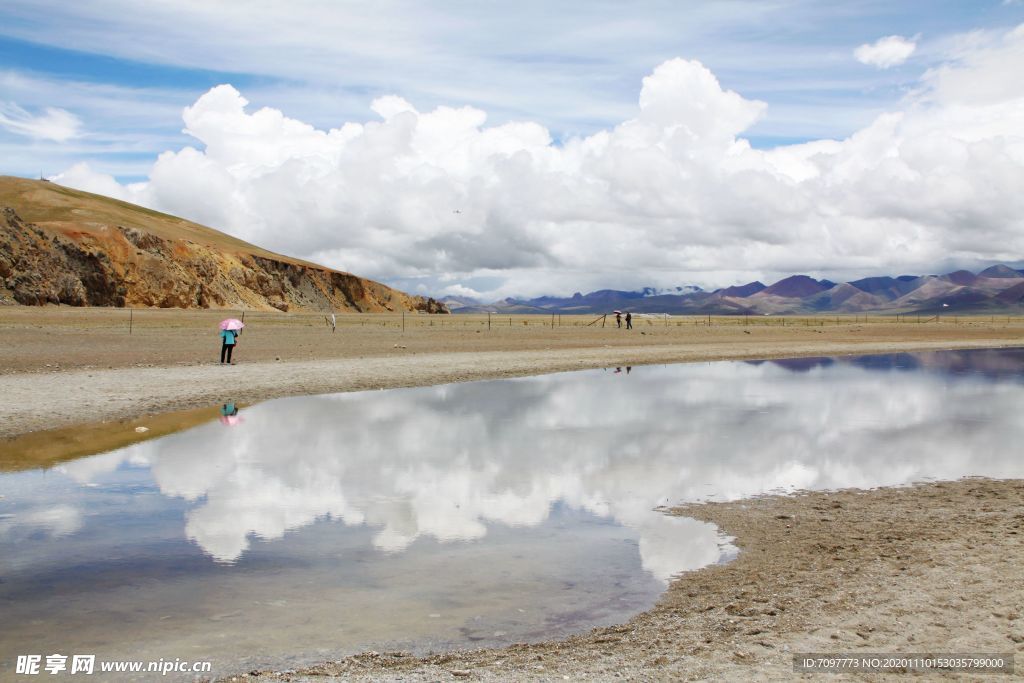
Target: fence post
(131,318)
(403,321)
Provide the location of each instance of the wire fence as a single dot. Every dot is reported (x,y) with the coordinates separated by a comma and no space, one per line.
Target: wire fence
(496,322)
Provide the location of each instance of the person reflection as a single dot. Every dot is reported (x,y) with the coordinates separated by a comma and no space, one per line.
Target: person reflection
(229,414)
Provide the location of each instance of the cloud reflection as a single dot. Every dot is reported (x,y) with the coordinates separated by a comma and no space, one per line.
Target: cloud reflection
(445,462)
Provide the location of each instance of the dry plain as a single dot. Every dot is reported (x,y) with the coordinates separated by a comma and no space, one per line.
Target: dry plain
(62,366)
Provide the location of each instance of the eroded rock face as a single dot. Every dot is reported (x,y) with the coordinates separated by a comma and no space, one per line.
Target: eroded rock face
(41,268)
(126,266)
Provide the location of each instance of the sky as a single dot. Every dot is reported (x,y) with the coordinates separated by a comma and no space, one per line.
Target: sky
(496,149)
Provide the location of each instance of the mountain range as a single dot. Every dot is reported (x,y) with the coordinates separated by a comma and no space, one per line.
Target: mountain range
(63,246)
(998,289)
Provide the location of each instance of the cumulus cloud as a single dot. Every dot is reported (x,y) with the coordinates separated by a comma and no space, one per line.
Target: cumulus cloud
(53,123)
(885,52)
(673,195)
(459,290)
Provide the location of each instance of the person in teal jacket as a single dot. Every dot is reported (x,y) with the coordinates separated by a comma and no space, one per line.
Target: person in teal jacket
(229,337)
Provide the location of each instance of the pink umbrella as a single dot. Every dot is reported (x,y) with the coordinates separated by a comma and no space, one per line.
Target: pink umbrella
(231,324)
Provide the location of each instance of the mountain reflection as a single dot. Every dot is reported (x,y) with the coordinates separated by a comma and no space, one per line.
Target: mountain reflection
(445,462)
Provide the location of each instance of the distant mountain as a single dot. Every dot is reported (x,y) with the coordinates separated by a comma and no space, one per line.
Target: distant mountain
(647,300)
(795,286)
(1000,271)
(887,287)
(995,289)
(63,246)
(1013,296)
(742,290)
(454,303)
(962,277)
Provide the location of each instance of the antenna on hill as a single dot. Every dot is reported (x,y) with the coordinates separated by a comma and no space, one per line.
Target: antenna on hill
(45,180)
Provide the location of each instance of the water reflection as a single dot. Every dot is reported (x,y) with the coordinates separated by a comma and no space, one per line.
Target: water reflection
(229,414)
(513,487)
(445,461)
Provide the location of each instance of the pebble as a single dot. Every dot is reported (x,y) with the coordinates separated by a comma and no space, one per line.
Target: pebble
(141,430)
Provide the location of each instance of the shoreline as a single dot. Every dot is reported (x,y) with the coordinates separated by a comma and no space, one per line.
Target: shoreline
(46,401)
(928,568)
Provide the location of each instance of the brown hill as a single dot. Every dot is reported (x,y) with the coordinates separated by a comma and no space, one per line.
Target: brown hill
(59,245)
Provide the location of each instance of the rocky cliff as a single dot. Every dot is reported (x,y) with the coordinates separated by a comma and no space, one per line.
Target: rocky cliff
(63,246)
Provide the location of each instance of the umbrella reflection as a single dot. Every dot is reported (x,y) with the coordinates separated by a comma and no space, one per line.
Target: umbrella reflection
(229,414)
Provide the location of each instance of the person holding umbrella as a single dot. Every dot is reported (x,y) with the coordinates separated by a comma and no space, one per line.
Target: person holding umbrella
(229,331)
(618,318)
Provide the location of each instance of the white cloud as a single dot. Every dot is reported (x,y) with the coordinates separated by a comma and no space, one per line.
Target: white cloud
(672,195)
(52,124)
(886,52)
(459,290)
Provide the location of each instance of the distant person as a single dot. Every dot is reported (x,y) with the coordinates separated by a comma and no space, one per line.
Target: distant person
(618,319)
(629,369)
(629,320)
(229,338)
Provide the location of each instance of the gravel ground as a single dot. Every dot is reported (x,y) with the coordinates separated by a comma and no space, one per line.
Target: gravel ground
(930,568)
(62,367)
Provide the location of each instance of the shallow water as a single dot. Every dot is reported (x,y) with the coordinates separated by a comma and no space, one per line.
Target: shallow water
(462,515)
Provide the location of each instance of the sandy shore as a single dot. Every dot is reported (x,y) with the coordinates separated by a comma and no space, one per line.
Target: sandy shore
(931,568)
(62,367)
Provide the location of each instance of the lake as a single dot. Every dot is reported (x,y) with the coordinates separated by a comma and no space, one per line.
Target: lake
(463,515)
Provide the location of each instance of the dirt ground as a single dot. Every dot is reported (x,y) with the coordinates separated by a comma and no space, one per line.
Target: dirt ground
(62,366)
(933,568)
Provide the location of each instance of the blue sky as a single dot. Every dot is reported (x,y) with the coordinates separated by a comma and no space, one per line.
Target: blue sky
(105,83)
(125,74)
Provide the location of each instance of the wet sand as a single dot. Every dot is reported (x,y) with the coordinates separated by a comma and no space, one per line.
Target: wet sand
(931,568)
(61,367)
